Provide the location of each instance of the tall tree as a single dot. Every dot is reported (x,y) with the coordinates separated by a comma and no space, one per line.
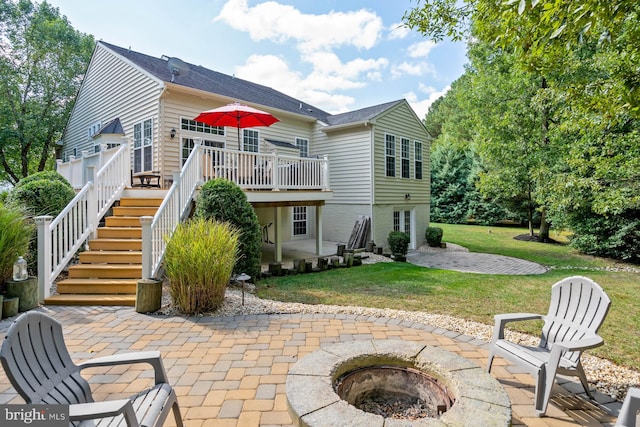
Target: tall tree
(42,62)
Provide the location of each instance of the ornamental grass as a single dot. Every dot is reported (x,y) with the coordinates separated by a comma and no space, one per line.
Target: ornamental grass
(198,261)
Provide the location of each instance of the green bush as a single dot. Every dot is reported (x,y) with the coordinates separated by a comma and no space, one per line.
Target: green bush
(399,243)
(198,261)
(43,193)
(224,201)
(434,236)
(15,233)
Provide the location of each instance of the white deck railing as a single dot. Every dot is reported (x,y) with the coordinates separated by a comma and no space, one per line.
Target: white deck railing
(60,238)
(75,170)
(265,171)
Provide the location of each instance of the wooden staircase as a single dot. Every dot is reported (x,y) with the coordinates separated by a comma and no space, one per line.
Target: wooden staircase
(107,274)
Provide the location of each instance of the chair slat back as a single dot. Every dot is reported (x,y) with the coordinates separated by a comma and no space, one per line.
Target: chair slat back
(37,362)
(577,309)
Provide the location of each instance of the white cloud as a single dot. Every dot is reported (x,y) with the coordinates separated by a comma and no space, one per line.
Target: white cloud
(398,31)
(412,69)
(421,49)
(315,89)
(277,22)
(421,106)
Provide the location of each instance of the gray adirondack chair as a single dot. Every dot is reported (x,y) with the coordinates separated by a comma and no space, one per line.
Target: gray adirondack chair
(37,362)
(629,412)
(576,312)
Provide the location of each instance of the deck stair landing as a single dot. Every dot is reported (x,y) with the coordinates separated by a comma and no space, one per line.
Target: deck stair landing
(107,274)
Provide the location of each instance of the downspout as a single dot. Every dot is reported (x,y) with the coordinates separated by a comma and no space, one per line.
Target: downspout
(372,171)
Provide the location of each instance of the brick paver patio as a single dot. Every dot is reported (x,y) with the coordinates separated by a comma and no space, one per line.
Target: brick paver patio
(231,371)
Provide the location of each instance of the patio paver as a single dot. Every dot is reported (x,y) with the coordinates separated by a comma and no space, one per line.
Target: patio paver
(231,371)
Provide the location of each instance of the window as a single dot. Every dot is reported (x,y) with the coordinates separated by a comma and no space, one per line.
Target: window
(404,153)
(417,146)
(250,140)
(142,146)
(192,125)
(93,129)
(390,158)
(299,220)
(189,143)
(303,145)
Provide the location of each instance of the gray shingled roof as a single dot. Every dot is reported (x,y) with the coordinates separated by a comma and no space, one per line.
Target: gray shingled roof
(361,115)
(207,80)
(113,127)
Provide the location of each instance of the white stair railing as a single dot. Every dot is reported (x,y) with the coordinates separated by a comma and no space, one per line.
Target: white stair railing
(174,207)
(60,238)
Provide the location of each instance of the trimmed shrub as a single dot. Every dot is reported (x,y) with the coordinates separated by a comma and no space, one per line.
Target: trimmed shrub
(434,236)
(43,193)
(224,201)
(399,243)
(198,261)
(15,233)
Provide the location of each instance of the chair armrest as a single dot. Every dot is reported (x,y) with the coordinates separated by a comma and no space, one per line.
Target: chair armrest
(578,345)
(502,319)
(151,357)
(111,408)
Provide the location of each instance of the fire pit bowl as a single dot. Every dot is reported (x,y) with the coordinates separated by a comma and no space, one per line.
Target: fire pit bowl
(320,385)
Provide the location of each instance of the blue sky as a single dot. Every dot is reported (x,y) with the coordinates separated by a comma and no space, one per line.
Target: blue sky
(338,55)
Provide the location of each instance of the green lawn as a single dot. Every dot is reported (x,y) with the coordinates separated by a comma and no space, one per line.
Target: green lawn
(478,296)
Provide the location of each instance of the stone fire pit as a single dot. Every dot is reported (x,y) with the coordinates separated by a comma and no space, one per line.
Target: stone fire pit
(478,399)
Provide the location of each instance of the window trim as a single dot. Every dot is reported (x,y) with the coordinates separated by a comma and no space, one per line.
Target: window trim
(145,142)
(294,221)
(389,155)
(417,160)
(305,145)
(244,138)
(405,164)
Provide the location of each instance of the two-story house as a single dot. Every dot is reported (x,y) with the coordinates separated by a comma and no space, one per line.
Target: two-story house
(371,162)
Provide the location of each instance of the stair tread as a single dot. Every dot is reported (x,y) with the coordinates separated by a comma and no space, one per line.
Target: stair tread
(80,299)
(94,281)
(100,266)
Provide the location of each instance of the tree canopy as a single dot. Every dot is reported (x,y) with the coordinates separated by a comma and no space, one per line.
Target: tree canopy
(554,107)
(42,61)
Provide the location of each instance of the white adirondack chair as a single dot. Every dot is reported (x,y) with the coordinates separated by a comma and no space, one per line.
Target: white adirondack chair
(576,312)
(37,362)
(629,412)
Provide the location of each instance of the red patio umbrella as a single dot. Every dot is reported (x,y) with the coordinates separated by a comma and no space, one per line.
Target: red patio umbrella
(236,115)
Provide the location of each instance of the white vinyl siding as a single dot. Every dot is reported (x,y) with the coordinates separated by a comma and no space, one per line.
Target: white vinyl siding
(392,190)
(350,173)
(112,88)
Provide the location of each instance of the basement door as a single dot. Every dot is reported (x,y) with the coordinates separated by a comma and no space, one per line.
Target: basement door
(404,220)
